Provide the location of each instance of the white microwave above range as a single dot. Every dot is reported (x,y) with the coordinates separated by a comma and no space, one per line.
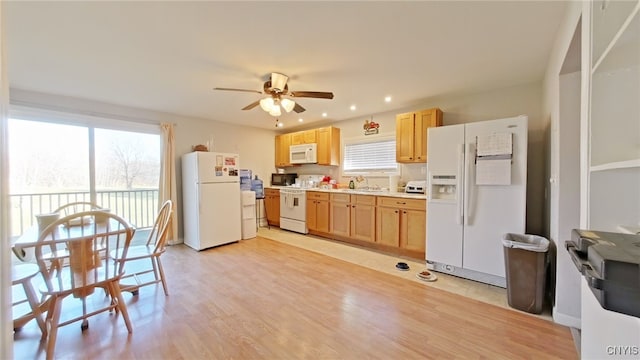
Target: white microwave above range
(303,154)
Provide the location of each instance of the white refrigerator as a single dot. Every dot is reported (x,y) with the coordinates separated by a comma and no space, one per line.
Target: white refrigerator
(477,183)
(211,202)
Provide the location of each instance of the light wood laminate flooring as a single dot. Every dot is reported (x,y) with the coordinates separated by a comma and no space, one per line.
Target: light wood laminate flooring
(263,299)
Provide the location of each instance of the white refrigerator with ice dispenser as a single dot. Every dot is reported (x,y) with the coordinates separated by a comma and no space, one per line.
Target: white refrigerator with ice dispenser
(477,182)
(211,202)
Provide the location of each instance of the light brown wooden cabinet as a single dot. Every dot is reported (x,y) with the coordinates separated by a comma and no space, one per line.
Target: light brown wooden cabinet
(340,213)
(353,216)
(282,143)
(327,138)
(272,206)
(304,137)
(363,217)
(329,146)
(411,134)
(402,223)
(317,211)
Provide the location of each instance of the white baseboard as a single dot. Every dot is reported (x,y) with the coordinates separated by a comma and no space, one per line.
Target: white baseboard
(566,320)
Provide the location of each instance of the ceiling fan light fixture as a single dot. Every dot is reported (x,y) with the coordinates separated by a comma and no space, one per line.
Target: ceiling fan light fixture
(287,104)
(278,81)
(266,104)
(275,111)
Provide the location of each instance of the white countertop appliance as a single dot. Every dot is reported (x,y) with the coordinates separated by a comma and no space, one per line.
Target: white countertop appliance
(293,209)
(211,199)
(416,187)
(477,182)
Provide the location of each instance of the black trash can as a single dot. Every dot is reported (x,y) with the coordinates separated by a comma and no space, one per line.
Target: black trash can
(525,259)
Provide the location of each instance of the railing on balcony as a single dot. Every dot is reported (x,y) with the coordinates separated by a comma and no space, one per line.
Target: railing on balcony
(139,206)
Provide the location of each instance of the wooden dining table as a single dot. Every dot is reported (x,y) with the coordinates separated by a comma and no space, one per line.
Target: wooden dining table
(24,246)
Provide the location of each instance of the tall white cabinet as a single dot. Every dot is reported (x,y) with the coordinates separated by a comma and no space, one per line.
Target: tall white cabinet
(611,167)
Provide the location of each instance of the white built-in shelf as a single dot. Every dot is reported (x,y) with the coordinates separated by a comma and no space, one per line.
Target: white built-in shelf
(615,87)
(616,26)
(629,229)
(635,163)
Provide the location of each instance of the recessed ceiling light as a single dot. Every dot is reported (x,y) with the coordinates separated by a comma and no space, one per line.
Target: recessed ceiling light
(387,99)
(280,124)
(301,120)
(353,107)
(324,114)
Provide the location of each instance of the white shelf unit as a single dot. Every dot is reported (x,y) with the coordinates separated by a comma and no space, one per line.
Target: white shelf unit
(635,163)
(614,115)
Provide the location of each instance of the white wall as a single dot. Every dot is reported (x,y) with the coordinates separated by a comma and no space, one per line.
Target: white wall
(464,108)
(567,301)
(6,328)
(255,146)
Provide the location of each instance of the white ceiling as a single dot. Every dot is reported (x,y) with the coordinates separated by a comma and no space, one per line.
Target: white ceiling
(168,56)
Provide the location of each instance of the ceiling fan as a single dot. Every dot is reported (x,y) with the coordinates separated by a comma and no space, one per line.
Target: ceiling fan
(278,90)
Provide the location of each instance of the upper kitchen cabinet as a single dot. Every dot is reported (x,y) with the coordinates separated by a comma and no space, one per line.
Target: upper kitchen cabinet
(304,137)
(613,132)
(282,150)
(328,146)
(411,134)
(327,138)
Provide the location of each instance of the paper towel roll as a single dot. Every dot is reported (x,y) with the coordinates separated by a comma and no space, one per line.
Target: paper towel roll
(393,183)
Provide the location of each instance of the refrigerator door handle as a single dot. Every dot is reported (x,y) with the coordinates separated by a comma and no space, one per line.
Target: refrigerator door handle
(460,192)
(467,182)
(469,176)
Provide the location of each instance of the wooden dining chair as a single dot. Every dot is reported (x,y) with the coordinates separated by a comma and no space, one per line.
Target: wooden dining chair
(22,276)
(86,235)
(76,207)
(66,210)
(155,246)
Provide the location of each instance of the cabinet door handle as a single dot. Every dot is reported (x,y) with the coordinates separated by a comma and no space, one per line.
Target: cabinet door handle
(396,211)
(404,212)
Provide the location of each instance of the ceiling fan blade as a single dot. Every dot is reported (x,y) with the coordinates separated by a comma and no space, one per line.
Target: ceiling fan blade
(298,108)
(252,105)
(244,90)
(312,94)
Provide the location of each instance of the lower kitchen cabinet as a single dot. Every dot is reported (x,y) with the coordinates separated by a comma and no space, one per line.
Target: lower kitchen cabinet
(413,230)
(353,216)
(394,224)
(402,223)
(363,217)
(272,206)
(340,214)
(388,221)
(318,211)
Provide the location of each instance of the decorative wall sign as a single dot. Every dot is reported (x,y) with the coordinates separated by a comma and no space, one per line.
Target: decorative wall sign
(370,127)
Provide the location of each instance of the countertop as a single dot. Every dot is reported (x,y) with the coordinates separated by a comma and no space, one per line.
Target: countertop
(356,191)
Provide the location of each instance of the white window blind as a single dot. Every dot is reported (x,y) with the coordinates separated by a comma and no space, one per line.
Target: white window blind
(377,156)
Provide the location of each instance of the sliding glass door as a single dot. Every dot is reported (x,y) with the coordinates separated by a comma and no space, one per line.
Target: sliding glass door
(55,163)
(127,173)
